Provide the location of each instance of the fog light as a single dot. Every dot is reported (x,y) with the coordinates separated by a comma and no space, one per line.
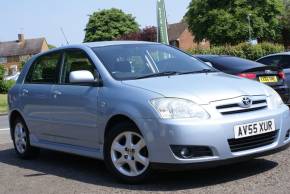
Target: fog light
(188,152)
(185,153)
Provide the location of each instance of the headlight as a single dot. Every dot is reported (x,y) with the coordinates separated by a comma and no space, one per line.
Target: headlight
(275,99)
(175,108)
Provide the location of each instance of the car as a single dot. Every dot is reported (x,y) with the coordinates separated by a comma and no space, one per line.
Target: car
(272,76)
(141,106)
(281,60)
(12,77)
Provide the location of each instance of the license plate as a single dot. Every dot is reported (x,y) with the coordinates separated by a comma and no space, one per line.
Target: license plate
(268,79)
(252,129)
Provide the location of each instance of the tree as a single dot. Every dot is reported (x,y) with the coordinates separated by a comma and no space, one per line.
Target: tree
(285,21)
(50,46)
(109,24)
(149,33)
(2,72)
(226,21)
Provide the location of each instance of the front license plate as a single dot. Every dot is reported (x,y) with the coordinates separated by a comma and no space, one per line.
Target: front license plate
(252,129)
(268,79)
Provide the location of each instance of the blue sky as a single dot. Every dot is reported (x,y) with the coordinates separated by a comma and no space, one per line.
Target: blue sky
(44,18)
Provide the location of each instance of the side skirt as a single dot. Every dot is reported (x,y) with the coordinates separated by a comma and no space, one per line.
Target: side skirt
(66,148)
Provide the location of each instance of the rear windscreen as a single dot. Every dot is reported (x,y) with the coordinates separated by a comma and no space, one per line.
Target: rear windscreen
(233,64)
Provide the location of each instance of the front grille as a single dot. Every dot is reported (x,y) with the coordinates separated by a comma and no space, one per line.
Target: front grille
(248,143)
(232,106)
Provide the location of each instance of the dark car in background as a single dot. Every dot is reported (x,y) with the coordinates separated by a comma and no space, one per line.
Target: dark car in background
(281,60)
(270,75)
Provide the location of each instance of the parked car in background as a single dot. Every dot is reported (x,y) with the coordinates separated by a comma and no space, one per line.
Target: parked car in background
(140,106)
(270,75)
(12,77)
(281,60)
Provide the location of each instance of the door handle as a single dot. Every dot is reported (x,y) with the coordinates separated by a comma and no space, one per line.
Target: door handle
(56,93)
(24,92)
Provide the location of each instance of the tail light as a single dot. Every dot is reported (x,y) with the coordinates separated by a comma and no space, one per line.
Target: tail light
(281,74)
(248,75)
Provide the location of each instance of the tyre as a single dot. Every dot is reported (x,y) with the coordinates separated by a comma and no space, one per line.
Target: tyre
(20,135)
(126,154)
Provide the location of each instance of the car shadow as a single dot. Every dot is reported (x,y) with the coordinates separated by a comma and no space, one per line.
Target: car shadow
(94,172)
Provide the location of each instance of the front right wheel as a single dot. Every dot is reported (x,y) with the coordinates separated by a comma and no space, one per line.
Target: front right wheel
(126,153)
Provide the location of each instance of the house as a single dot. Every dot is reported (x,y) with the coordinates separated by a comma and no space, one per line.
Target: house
(180,36)
(14,53)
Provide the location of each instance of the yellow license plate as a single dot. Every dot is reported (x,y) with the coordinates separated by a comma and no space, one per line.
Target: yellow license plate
(268,79)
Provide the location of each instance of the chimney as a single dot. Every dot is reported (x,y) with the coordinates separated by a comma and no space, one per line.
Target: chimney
(20,37)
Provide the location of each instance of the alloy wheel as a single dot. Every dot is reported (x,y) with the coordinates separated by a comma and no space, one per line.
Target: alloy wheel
(129,154)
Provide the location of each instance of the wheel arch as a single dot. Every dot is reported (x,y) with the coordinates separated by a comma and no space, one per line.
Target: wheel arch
(12,116)
(117,119)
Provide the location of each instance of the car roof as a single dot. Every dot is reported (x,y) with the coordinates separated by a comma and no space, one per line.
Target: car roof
(275,54)
(95,44)
(112,43)
(211,56)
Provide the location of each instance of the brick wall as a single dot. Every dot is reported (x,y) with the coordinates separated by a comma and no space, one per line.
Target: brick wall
(186,41)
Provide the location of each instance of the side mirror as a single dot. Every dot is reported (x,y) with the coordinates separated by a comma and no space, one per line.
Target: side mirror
(209,64)
(82,76)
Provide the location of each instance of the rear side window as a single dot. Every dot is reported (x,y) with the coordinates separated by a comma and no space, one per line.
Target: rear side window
(285,62)
(75,60)
(272,61)
(45,70)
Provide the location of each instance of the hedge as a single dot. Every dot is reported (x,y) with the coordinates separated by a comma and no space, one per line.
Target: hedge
(244,50)
(5,86)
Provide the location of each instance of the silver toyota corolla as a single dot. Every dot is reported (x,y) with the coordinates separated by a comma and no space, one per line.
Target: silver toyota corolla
(141,106)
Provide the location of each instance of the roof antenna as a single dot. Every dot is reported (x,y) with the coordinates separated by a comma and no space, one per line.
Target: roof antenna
(64,36)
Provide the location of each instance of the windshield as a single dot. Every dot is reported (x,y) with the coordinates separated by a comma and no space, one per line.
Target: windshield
(134,61)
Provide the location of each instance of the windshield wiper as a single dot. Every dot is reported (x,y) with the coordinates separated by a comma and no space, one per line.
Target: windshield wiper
(165,73)
(200,71)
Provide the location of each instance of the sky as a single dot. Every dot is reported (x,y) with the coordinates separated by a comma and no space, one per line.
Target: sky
(45,18)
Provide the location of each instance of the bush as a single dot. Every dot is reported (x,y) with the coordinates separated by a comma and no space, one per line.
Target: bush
(5,86)
(2,72)
(243,50)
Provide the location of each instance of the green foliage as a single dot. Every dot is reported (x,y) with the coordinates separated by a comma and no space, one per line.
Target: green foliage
(225,21)
(2,72)
(5,86)
(109,25)
(243,50)
(50,46)
(285,20)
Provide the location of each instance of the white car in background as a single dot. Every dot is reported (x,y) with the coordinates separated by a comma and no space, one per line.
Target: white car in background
(12,77)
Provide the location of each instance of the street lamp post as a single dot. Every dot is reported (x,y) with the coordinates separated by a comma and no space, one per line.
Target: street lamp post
(249,24)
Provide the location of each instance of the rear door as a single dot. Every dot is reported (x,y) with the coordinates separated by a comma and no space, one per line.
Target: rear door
(35,94)
(285,64)
(74,106)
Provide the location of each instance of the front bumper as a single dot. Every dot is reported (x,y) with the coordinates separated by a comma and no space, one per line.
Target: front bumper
(211,164)
(213,133)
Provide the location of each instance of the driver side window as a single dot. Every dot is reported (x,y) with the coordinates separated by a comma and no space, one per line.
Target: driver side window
(75,60)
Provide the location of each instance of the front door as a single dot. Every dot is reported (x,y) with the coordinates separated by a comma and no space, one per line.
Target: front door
(74,106)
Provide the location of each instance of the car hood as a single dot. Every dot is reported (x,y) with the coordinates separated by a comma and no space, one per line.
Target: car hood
(200,88)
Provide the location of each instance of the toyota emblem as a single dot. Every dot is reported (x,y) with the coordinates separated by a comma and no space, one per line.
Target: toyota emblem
(246,102)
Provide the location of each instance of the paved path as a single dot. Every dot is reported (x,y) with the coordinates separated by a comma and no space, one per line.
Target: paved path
(4,125)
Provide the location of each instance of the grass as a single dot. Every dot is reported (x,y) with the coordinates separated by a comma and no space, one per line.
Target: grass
(3,103)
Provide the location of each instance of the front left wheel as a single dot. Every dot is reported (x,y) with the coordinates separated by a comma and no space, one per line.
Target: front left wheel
(126,153)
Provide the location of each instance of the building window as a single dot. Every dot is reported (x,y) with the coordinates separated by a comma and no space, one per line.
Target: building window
(3,60)
(13,59)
